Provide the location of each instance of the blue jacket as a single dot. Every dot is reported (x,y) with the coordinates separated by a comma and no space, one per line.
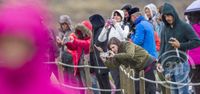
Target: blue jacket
(144,36)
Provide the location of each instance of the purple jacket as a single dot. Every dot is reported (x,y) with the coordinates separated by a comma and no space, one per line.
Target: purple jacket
(194,56)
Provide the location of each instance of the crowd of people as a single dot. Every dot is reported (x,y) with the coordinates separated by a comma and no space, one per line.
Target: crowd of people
(150,39)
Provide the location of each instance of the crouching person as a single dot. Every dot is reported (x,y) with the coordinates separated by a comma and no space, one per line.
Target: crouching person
(129,54)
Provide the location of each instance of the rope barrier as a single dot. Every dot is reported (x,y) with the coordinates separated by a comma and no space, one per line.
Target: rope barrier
(157,82)
(127,74)
(90,88)
(77,66)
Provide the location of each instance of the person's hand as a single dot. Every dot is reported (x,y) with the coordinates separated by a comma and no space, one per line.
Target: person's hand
(107,25)
(174,42)
(111,54)
(103,59)
(98,48)
(59,41)
(159,68)
(71,38)
(114,21)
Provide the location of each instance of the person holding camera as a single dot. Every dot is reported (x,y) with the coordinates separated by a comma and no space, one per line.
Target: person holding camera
(102,75)
(114,27)
(63,36)
(130,54)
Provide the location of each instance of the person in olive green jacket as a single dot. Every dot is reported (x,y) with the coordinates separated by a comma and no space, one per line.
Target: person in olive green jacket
(130,54)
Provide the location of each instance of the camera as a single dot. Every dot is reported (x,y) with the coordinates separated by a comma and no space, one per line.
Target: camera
(104,54)
(109,22)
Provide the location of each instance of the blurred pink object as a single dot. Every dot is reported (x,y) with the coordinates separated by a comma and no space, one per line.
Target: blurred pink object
(194,58)
(32,77)
(113,87)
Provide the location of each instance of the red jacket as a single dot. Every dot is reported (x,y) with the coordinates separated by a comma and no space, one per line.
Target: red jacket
(157,40)
(82,36)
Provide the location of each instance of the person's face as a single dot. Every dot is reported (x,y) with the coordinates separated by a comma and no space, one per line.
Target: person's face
(117,17)
(114,48)
(169,19)
(147,12)
(80,34)
(64,26)
(186,19)
(133,18)
(15,51)
(126,13)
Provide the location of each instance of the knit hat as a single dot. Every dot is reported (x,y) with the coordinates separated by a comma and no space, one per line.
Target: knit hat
(126,7)
(133,10)
(85,28)
(65,19)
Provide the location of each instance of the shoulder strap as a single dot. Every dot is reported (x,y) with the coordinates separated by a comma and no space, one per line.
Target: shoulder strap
(122,26)
(108,33)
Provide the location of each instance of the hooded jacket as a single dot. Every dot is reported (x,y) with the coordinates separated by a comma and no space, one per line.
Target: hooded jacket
(66,19)
(81,42)
(180,30)
(144,36)
(154,16)
(132,55)
(98,23)
(63,35)
(153,21)
(153,11)
(116,30)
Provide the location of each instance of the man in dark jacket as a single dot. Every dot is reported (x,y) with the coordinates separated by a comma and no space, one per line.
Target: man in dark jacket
(98,22)
(177,36)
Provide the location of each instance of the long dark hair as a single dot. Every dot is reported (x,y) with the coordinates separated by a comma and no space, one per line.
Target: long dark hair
(115,41)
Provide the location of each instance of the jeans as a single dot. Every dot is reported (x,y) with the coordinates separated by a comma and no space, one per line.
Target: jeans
(179,72)
(116,78)
(94,83)
(104,83)
(150,88)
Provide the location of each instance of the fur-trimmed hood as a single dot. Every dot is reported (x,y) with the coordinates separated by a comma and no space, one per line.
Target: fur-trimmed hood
(66,19)
(85,28)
